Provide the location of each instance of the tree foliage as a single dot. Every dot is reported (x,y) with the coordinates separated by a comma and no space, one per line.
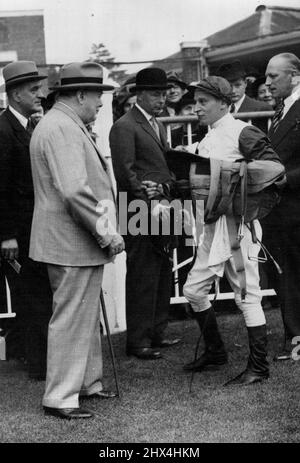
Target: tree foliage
(100,54)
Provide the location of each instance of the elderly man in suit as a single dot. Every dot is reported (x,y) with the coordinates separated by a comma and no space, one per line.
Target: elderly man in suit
(282,227)
(138,142)
(240,102)
(30,289)
(74,233)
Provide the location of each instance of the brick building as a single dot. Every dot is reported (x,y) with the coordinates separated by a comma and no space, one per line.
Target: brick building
(22,37)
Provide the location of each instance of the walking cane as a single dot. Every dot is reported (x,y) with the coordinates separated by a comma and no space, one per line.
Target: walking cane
(109,341)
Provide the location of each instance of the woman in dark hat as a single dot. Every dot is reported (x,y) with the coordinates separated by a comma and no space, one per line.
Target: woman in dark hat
(262,91)
(123,99)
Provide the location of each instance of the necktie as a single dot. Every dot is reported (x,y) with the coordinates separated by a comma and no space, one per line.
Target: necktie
(277,116)
(155,127)
(232,108)
(30,126)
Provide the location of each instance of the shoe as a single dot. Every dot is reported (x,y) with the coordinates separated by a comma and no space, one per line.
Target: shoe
(285,355)
(68,413)
(207,361)
(144,353)
(215,353)
(246,378)
(257,368)
(166,342)
(100,395)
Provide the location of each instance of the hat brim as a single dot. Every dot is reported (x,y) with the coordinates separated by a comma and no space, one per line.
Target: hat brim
(180,83)
(149,87)
(90,86)
(215,94)
(20,80)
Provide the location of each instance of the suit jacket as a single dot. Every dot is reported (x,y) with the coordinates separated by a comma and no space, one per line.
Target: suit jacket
(286,143)
(70,226)
(252,105)
(138,154)
(16,187)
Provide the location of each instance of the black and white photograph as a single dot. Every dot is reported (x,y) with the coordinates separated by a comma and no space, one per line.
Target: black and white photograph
(149,226)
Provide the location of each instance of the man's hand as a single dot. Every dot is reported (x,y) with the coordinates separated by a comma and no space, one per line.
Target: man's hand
(10,249)
(152,189)
(116,246)
(181,148)
(163,210)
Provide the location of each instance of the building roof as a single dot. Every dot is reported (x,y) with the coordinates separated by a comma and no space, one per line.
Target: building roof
(264,22)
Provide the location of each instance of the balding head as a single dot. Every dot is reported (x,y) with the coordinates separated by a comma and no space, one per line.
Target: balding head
(283,74)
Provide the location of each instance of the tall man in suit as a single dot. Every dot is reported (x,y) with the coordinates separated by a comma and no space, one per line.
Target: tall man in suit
(282,227)
(30,289)
(240,102)
(138,142)
(74,233)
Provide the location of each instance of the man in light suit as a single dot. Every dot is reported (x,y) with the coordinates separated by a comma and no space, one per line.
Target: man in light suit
(282,226)
(138,142)
(30,289)
(74,232)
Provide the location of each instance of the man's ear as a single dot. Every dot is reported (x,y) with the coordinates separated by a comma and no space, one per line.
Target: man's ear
(80,96)
(295,79)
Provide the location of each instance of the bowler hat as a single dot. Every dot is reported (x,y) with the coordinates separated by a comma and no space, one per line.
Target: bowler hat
(151,79)
(21,71)
(173,77)
(232,71)
(88,75)
(217,86)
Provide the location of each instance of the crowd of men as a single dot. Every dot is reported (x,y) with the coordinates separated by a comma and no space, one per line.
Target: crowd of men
(59,220)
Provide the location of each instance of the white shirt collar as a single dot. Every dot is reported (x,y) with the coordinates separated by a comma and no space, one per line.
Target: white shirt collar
(147,115)
(290,100)
(239,103)
(227,117)
(22,119)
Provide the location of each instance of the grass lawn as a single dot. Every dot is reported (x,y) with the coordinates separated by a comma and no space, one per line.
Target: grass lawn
(155,404)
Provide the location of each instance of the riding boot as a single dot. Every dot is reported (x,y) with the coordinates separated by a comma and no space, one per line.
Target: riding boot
(257,367)
(214,353)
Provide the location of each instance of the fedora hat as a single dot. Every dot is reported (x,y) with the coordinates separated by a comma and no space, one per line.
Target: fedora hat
(232,71)
(151,79)
(21,71)
(88,75)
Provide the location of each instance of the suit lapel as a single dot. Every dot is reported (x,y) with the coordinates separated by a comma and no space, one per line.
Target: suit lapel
(21,134)
(141,119)
(65,109)
(290,120)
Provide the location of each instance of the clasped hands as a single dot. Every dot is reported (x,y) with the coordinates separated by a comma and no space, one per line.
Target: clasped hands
(153,189)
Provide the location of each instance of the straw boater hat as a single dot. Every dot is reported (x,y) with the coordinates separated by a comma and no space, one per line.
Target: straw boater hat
(87,75)
(151,79)
(21,71)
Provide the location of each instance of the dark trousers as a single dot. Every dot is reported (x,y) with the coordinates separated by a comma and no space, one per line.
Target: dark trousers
(283,241)
(31,298)
(148,291)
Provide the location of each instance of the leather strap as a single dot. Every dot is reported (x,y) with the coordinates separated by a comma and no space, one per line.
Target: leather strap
(215,172)
(237,254)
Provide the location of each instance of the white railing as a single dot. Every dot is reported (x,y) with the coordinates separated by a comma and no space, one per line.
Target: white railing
(188,120)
